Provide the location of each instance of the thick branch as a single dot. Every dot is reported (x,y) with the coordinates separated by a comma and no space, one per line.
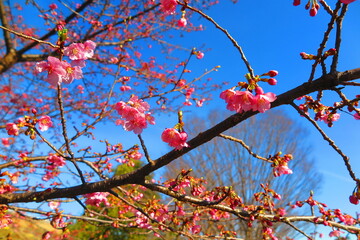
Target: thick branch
(137,176)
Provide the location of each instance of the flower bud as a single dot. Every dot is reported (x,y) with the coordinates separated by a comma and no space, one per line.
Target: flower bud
(296,2)
(272,73)
(272,81)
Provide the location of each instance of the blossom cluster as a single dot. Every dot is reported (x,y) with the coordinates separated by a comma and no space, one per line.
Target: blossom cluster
(97,198)
(61,71)
(175,138)
(243,101)
(240,101)
(134,114)
(322,112)
(44,123)
(53,163)
(314,6)
(280,164)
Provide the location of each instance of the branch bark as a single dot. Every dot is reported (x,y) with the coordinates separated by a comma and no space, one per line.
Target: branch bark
(329,81)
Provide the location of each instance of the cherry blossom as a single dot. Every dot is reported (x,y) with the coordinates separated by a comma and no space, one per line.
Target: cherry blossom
(54,205)
(174,138)
(12,129)
(6,142)
(182,22)
(261,102)
(133,114)
(55,68)
(45,123)
(168,6)
(80,51)
(55,161)
(97,198)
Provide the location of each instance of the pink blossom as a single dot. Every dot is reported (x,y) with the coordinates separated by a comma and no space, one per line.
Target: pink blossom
(6,141)
(44,123)
(335,233)
(168,6)
(196,229)
(125,88)
(347,1)
(55,161)
(199,55)
(200,102)
(72,72)
(12,129)
(261,102)
(329,118)
(80,88)
(54,205)
(53,6)
(133,114)
(80,51)
(281,169)
(175,138)
(95,199)
(182,22)
(281,212)
(357,116)
(56,69)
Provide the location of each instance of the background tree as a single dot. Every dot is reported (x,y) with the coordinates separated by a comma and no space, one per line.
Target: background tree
(226,162)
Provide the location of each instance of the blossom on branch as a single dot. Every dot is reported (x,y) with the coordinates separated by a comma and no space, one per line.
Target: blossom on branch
(134,116)
(80,51)
(97,198)
(168,7)
(44,123)
(175,138)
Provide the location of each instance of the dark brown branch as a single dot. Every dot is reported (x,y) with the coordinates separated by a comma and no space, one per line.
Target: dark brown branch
(137,177)
(4,22)
(339,21)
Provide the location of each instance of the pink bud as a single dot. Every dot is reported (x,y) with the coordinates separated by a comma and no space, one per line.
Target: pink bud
(273,73)
(296,2)
(313,12)
(33,111)
(272,81)
(259,90)
(354,200)
(182,22)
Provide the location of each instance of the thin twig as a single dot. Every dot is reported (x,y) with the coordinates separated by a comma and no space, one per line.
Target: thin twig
(145,150)
(299,230)
(64,133)
(245,146)
(330,141)
(29,37)
(339,21)
(323,42)
(234,42)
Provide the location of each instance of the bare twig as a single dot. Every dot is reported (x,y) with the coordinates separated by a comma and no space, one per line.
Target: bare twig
(29,37)
(234,42)
(145,150)
(330,141)
(245,146)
